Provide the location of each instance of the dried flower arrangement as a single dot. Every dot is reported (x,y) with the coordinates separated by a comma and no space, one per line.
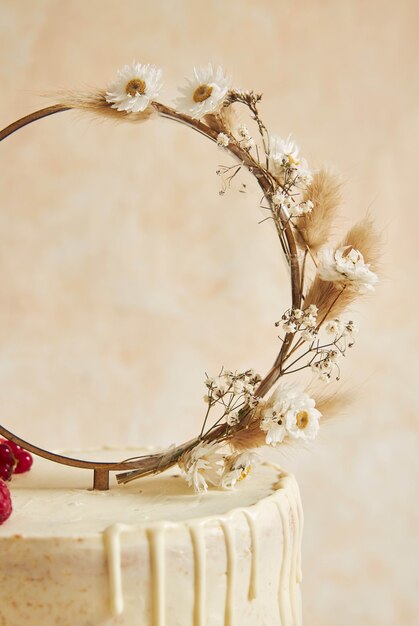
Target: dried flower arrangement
(244,410)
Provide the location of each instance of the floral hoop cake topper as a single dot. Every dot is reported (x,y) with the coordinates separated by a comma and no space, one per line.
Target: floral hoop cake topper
(245,410)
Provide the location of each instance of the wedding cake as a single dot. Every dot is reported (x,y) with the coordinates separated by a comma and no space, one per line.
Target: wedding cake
(151,553)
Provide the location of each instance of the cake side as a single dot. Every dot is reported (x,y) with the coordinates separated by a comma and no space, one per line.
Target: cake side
(236,565)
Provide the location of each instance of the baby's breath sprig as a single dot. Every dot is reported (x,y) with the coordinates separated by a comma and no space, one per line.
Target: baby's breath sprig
(324,279)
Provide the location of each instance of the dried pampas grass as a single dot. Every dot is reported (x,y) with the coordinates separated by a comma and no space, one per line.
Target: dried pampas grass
(365,238)
(333,298)
(331,404)
(314,229)
(247,438)
(95,102)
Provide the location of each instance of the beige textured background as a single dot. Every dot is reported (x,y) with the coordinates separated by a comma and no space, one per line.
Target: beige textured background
(124,275)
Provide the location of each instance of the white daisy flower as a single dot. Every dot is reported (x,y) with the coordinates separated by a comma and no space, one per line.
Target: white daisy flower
(273,420)
(290,411)
(202,465)
(136,86)
(283,153)
(237,468)
(204,93)
(347,265)
(303,421)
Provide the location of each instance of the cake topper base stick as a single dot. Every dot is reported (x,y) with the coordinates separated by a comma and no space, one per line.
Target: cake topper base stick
(101,479)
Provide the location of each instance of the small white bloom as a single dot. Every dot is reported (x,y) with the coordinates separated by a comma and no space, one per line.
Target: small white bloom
(303,174)
(308,335)
(311,310)
(237,468)
(289,327)
(202,465)
(223,140)
(280,199)
(334,355)
(296,210)
(136,86)
(350,329)
(249,143)
(347,265)
(306,207)
(310,321)
(232,418)
(322,369)
(243,131)
(297,313)
(204,93)
(334,327)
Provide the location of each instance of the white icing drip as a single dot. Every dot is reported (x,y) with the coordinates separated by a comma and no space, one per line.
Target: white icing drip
(198,543)
(294,588)
(300,536)
(230,571)
(157,561)
(254,554)
(112,541)
(284,588)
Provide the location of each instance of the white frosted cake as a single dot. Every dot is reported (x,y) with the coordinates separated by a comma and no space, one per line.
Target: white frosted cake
(151,553)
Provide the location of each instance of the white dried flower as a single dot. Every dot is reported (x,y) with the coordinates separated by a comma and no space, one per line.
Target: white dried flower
(349,329)
(204,93)
(334,327)
(347,265)
(248,144)
(311,310)
(273,423)
(202,466)
(223,140)
(237,468)
(136,86)
(243,131)
(290,411)
(283,153)
(322,369)
(303,421)
(308,335)
(310,321)
(297,313)
(334,355)
(289,327)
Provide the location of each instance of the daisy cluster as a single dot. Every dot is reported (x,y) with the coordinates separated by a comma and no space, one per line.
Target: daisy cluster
(210,464)
(289,412)
(137,86)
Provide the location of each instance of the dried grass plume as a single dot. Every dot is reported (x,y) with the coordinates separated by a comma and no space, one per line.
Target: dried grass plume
(314,229)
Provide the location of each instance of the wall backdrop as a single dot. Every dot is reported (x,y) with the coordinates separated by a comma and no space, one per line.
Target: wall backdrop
(124,275)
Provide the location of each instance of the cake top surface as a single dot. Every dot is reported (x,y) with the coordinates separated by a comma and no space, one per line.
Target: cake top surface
(54,500)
